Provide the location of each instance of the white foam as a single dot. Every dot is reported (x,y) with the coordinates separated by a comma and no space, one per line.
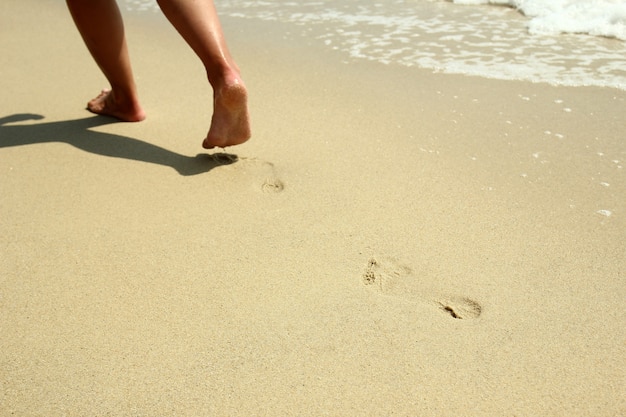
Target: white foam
(597,17)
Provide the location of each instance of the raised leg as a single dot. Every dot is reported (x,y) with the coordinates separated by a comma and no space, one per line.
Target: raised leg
(199,25)
(100,24)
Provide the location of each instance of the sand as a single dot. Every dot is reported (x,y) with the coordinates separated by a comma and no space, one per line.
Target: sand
(390,241)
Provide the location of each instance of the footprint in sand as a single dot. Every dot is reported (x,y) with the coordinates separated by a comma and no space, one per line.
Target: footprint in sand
(272,185)
(263,171)
(388,276)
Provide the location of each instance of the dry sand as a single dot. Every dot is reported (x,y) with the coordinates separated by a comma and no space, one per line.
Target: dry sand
(321,271)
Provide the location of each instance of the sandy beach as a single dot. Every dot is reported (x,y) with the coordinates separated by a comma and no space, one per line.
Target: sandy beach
(391,241)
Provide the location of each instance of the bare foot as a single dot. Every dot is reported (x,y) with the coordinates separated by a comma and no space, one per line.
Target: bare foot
(107,104)
(230,124)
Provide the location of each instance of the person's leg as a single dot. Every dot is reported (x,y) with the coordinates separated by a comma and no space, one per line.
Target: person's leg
(100,24)
(198,23)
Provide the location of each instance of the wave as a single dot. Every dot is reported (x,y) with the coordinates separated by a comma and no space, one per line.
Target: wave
(598,17)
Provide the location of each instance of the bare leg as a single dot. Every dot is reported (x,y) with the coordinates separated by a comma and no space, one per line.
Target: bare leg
(100,24)
(198,23)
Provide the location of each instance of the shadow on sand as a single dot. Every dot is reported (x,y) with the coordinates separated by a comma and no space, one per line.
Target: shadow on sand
(78,134)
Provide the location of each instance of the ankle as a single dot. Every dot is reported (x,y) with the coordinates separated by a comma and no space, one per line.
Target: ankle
(124,100)
(119,96)
(224,77)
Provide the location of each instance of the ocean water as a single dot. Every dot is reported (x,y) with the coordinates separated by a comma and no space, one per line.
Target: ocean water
(560,42)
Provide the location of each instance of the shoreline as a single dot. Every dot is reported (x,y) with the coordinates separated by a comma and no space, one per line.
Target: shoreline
(140,279)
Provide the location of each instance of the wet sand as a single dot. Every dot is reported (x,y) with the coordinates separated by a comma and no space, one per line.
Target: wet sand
(389,242)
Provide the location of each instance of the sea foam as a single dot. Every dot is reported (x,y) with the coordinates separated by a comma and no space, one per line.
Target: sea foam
(599,17)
